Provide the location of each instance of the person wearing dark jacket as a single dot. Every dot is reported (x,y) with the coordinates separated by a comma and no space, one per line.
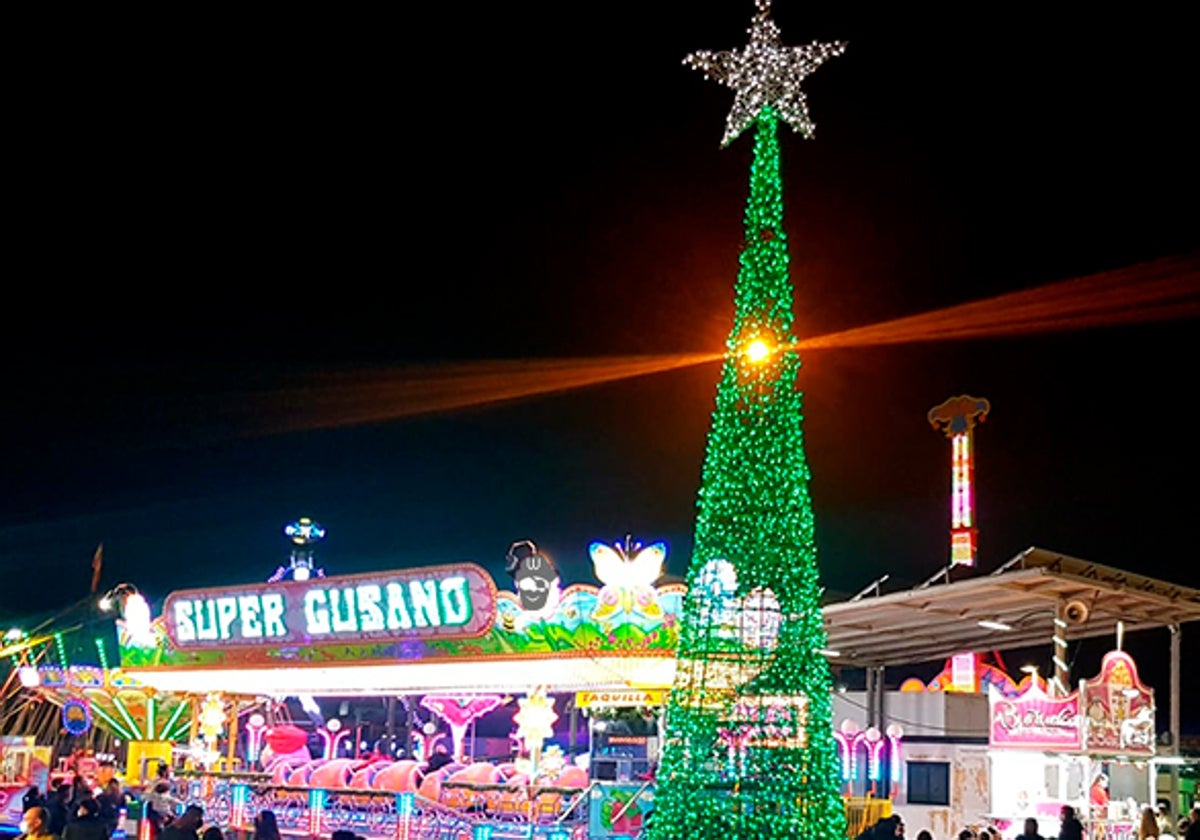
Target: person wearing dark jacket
(111,801)
(266,827)
(31,799)
(87,824)
(186,827)
(1193,829)
(56,808)
(886,828)
(1070,828)
(1031,830)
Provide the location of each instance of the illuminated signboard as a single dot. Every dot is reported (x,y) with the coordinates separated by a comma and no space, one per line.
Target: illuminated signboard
(1034,720)
(963,676)
(441,602)
(1119,709)
(619,699)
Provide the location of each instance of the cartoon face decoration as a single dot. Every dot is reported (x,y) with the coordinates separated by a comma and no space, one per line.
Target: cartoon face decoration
(535,577)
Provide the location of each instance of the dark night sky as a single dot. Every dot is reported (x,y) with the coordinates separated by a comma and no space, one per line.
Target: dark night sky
(209,208)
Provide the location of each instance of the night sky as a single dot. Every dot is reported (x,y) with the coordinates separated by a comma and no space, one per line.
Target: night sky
(210,215)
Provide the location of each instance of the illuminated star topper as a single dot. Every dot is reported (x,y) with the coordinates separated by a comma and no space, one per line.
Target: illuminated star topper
(765,73)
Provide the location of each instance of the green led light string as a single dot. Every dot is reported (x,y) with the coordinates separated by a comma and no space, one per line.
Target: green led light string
(749,749)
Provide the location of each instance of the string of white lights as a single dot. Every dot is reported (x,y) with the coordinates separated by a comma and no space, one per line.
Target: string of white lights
(765,74)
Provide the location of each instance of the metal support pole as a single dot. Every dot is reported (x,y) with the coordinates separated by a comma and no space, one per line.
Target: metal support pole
(573,720)
(870,698)
(1058,651)
(1176,643)
(875,687)
(881,690)
(408,727)
(391,725)
(231,753)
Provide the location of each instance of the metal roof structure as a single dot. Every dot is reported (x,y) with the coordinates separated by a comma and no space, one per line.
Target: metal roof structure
(936,620)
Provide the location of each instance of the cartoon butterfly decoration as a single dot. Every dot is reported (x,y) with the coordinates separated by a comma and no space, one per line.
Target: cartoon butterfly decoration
(628,573)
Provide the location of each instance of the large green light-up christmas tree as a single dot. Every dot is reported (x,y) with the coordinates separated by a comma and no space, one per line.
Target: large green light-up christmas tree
(749,749)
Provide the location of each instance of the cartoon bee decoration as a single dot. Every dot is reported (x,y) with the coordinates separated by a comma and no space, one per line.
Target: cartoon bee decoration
(508,622)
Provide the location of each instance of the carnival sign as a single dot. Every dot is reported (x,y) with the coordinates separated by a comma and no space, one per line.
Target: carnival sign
(457,601)
(1119,709)
(1034,720)
(619,699)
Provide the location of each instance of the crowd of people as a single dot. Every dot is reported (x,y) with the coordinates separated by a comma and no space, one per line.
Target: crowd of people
(76,811)
(1155,824)
(73,810)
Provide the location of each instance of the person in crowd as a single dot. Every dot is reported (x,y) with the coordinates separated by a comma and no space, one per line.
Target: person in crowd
(80,790)
(1148,824)
(1030,831)
(1070,828)
(161,806)
(1192,832)
(35,824)
(212,833)
(438,760)
(31,799)
(111,800)
(87,824)
(1162,813)
(266,827)
(880,829)
(924,834)
(56,808)
(886,828)
(186,826)
(1098,796)
(966,834)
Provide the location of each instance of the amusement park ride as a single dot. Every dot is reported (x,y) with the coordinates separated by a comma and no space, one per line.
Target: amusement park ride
(208,685)
(178,695)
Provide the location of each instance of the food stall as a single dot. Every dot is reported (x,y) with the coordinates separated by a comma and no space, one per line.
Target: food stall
(1090,749)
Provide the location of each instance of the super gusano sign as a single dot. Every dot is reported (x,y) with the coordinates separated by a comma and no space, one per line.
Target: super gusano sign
(437,602)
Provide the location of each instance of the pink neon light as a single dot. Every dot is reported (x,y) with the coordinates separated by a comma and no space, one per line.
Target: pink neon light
(254,736)
(874,752)
(846,755)
(424,745)
(894,735)
(331,741)
(849,737)
(961,513)
(459,711)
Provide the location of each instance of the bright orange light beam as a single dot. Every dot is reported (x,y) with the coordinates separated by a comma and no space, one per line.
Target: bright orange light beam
(336,400)
(1161,290)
